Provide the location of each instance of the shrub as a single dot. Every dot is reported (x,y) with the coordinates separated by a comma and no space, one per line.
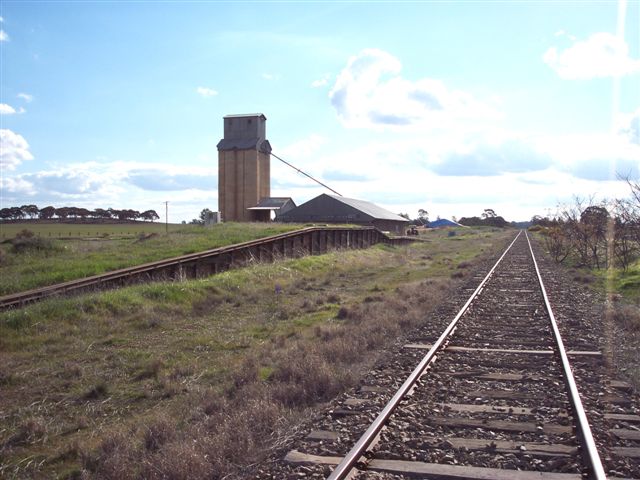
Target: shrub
(100,390)
(628,316)
(158,433)
(30,431)
(25,242)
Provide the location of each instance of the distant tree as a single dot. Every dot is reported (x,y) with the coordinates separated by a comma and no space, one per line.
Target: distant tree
(101,213)
(128,214)
(405,215)
(596,216)
(558,243)
(593,223)
(488,213)
(62,212)
(72,212)
(82,213)
(30,210)
(543,221)
(204,215)
(149,215)
(423,216)
(486,220)
(5,213)
(16,213)
(47,212)
(471,221)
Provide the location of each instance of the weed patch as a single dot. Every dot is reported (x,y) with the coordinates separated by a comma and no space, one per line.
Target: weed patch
(98,391)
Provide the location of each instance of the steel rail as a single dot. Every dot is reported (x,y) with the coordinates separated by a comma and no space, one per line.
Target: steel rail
(343,469)
(20,298)
(591,454)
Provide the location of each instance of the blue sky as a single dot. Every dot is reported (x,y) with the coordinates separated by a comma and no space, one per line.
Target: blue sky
(452,107)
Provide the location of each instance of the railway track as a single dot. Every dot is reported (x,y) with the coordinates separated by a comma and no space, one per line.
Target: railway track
(500,402)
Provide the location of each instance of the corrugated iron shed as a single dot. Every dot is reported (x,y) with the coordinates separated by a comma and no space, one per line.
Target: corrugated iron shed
(371,209)
(335,209)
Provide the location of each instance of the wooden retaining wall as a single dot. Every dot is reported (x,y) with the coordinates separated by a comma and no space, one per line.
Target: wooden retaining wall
(308,241)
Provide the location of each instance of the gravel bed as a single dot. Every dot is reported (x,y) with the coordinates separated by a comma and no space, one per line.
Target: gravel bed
(421,429)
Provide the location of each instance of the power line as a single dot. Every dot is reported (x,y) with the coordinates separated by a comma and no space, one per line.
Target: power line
(306,175)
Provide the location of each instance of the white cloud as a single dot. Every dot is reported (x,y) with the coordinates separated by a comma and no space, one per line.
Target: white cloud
(459,173)
(117,184)
(206,92)
(26,97)
(6,109)
(304,148)
(3,36)
(628,126)
(601,55)
(369,92)
(14,150)
(562,33)
(597,157)
(321,82)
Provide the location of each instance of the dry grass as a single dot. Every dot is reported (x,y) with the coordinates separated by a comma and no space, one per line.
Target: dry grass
(627,316)
(266,391)
(199,379)
(626,322)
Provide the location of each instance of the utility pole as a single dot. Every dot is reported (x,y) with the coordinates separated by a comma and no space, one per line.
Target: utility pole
(166,216)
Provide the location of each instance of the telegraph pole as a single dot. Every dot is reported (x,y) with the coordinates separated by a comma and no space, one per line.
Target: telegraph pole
(166,216)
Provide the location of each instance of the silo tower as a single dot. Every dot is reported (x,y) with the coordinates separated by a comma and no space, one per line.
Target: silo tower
(244,157)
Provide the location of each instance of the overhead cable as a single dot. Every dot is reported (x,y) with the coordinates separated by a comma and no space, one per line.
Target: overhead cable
(306,175)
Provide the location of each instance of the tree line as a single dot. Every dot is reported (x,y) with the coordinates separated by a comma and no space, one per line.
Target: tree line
(488,218)
(595,235)
(64,213)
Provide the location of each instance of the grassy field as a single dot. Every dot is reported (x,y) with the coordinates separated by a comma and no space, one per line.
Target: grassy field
(197,379)
(62,260)
(91,230)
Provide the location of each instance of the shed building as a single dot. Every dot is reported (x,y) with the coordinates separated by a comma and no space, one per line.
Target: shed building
(277,205)
(335,209)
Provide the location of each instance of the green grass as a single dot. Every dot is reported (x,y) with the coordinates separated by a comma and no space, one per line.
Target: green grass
(76,371)
(74,230)
(618,281)
(628,282)
(71,259)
